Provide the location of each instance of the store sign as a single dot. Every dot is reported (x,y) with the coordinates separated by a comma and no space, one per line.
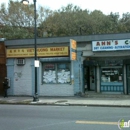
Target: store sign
(49,66)
(41,52)
(111,45)
(73,49)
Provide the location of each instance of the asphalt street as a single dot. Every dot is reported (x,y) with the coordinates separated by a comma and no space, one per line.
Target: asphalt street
(33,117)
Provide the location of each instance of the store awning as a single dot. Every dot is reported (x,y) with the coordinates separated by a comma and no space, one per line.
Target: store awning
(106,54)
(57,59)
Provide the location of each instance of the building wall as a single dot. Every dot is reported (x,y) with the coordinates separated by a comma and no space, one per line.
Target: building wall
(56,90)
(10,74)
(78,72)
(21,77)
(23,81)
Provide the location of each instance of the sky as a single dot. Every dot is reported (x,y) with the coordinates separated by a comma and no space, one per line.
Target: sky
(106,6)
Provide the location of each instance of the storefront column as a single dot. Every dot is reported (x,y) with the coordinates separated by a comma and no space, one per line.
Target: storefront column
(72,72)
(125,84)
(98,79)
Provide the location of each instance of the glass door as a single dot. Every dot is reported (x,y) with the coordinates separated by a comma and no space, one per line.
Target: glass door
(86,78)
(89,78)
(92,78)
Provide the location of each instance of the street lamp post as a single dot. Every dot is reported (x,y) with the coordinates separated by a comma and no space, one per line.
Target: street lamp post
(35,98)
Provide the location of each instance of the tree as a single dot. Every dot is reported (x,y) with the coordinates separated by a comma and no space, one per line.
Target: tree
(72,20)
(65,21)
(17,21)
(124,23)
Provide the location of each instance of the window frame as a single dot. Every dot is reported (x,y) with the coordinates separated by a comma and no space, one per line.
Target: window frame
(112,67)
(56,71)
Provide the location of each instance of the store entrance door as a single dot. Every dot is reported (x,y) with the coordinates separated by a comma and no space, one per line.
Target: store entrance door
(128,79)
(89,78)
(92,78)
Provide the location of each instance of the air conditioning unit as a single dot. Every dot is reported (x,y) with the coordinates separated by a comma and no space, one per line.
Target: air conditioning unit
(21,61)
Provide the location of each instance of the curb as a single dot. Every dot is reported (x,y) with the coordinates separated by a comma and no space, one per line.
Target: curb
(61,104)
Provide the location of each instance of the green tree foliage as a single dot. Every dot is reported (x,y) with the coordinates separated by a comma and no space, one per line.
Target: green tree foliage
(72,20)
(65,21)
(124,23)
(17,21)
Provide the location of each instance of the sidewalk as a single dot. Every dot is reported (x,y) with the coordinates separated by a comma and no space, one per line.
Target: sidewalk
(69,101)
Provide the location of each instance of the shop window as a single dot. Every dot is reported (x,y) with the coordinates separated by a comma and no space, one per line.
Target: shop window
(49,73)
(111,74)
(56,73)
(63,73)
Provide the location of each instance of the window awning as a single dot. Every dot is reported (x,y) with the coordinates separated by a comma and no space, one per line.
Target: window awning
(58,59)
(106,54)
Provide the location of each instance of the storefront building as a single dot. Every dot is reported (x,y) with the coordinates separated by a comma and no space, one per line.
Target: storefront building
(102,65)
(107,65)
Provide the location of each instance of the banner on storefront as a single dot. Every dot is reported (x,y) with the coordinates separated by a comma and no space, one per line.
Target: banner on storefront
(73,49)
(41,52)
(111,45)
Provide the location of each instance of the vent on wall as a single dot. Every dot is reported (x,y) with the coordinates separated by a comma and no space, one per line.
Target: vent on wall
(20,61)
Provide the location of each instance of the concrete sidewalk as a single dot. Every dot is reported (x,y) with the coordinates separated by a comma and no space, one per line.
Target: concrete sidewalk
(69,101)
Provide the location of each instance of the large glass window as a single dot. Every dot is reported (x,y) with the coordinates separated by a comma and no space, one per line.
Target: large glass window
(56,73)
(113,74)
(63,73)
